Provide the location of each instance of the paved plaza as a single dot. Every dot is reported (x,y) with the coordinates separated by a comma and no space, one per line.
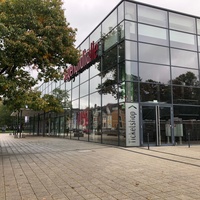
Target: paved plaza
(44,168)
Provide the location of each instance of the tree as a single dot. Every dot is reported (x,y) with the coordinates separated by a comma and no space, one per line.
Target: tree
(34,36)
(6,120)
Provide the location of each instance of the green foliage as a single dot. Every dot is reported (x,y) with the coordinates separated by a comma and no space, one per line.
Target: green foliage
(34,36)
(6,119)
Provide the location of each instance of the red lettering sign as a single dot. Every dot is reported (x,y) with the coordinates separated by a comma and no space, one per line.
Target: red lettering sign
(87,57)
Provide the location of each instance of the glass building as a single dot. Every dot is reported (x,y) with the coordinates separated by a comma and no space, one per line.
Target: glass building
(137,81)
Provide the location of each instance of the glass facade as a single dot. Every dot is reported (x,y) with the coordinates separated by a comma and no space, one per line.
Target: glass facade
(147,58)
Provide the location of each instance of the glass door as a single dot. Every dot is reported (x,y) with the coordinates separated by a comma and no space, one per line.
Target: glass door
(157,125)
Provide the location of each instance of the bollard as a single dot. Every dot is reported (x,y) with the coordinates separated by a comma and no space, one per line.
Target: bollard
(148,140)
(188,140)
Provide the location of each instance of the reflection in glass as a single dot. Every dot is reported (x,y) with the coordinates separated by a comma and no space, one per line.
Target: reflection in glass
(75,93)
(181,76)
(122,125)
(151,92)
(95,69)
(94,127)
(122,72)
(182,23)
(83,118)
(131,91)
(84,76)
(109,23)
(74,125)
(120,12)
(130,30)
(96,34)
(120,30)
(198,43)
(110,39)
(131,50)
(75,81)
(110,59)
(188,117)
(85,45)
(131,71)
(183,40)
(94,82)
(130,11)
(152,16)
(153,54)
(153,34)
(185,95)
(184,58)
(84,89)
(121,51)
(198,26)
(154,73)
(128,91)
(109,119)
(110,75)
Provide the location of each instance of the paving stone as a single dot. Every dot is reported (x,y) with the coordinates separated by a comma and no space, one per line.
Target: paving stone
(43,168)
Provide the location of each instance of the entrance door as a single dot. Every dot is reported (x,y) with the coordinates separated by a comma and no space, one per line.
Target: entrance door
(157,125)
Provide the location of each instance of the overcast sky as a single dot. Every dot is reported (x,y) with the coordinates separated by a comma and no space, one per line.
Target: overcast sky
(85,15)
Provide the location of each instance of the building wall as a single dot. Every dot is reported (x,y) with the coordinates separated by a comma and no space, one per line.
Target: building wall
(146,55)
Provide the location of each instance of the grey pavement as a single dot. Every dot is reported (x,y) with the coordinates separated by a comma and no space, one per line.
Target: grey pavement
(44,168)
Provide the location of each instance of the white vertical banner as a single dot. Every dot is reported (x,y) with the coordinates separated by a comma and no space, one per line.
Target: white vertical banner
(132,124)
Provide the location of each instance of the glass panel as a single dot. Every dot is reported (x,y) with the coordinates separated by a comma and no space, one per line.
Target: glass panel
(153,35)
(68,85)
(130,11)
(84,76)
(110,39)
(131,71)
(151,92)
(110,115)
(75,93)
(187,121)
(96,35)
(121,50)
(181,22)
(183,40)
(154,54)
(131,91)
(154,73)
(182,76)
(198,43)
(130,30)
(184,58)
(131,50)
(109,23)
(74,124)
(185,95)
(75,81)
(95,69)
(94,83)
(110,58)
(152,16)
(62,86)
(109,75)
(120,30)
(120,12)
(122,72)
(95,118)
(198,26)
(84,89)
(83,119)
(85,45)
